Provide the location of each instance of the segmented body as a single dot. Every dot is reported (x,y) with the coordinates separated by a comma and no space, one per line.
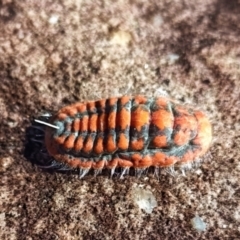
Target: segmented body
(127,132)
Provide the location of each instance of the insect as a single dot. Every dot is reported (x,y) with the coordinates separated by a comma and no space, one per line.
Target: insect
(126,132)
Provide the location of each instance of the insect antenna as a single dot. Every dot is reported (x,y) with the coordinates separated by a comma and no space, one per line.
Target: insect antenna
(46,124)
(36,140)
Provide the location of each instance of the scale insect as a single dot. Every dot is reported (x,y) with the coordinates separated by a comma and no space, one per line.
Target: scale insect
(137,132)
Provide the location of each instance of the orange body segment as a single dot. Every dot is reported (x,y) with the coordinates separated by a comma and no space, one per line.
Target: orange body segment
(160,141)
(78,144)
(162,119)
(69,143)
(123,142)
(76,125)
(98,148)
(88,144)
(204,132)
(84,124)
(140,117)
(111,144)
(137,144)
(93,123)
(123,119)
(81,107)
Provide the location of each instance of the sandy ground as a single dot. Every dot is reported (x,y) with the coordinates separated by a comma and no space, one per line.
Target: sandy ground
(57,52)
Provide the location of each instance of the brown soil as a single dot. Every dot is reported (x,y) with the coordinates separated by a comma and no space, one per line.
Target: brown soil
(56,52)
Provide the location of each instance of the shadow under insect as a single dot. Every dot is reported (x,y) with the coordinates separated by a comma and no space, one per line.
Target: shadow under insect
(35,150)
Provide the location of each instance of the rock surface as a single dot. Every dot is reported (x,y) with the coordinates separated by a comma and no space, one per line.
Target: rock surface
(53,53)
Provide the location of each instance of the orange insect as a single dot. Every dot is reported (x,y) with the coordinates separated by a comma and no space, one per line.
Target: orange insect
(126,132)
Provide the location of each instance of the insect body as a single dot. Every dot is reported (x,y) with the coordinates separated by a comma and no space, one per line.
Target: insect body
(126,132)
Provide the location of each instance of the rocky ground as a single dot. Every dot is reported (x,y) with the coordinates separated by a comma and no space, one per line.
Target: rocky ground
(53,53)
